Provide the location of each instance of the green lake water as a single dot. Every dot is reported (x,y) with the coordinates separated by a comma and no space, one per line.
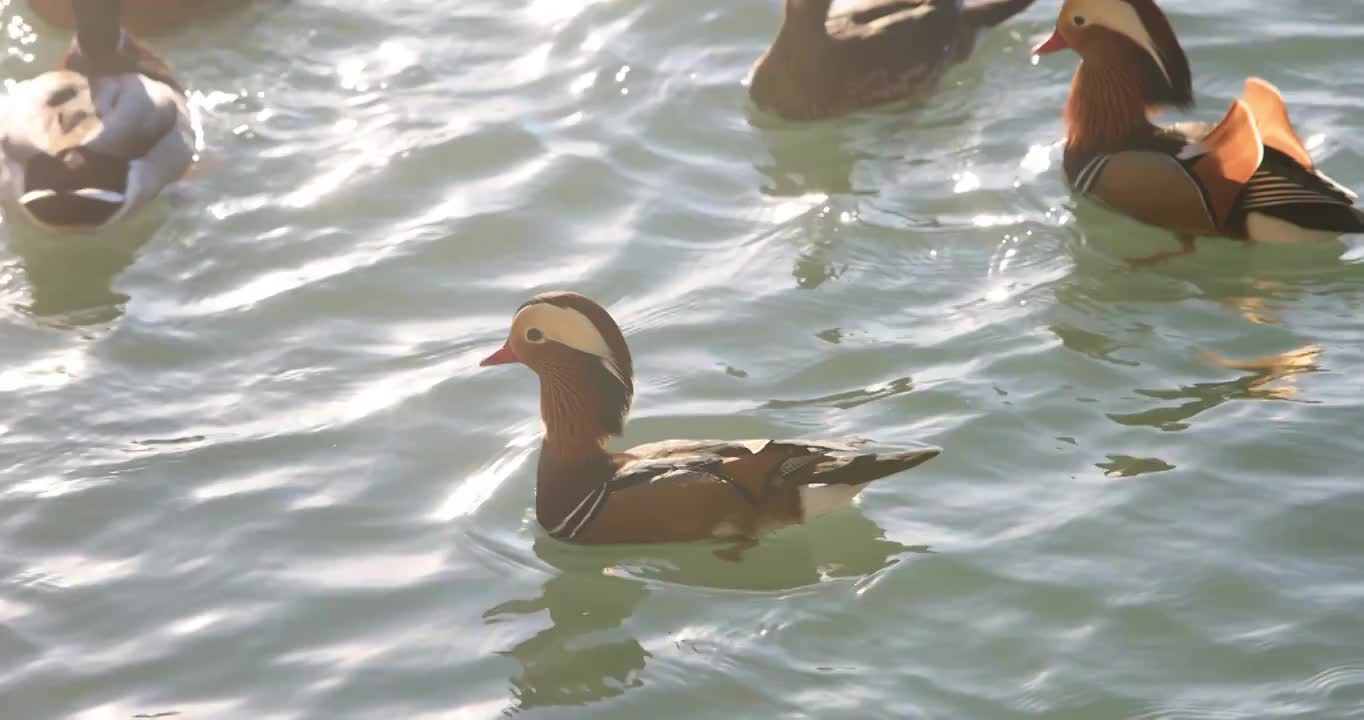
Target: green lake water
(249,467)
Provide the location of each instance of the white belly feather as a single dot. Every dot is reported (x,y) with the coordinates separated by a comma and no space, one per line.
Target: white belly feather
(816,500)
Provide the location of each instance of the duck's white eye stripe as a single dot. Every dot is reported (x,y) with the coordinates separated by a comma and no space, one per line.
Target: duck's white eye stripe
(1122,17)
(568,327)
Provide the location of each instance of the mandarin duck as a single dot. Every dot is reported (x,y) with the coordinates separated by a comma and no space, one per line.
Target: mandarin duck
(86,144)
(876,51)
(670,491)
(1247,177)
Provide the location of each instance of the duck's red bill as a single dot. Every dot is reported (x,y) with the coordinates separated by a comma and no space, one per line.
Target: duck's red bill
(1055,43)
(503,356)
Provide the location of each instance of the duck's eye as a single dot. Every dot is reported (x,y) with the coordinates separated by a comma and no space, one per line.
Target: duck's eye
(534,335)
(1079,20)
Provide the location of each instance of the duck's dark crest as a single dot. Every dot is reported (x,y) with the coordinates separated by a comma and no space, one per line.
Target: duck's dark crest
(1174,86)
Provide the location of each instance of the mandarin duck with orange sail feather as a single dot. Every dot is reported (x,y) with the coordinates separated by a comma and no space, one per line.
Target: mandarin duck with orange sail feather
(670,491)
(1248,177)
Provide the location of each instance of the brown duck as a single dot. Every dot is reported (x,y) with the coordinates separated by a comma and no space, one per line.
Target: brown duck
(1247,177)
(144,17)
(874,52)
(102,135)
(671,491)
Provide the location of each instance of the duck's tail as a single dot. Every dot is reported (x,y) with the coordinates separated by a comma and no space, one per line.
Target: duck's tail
(989,13)
(1358,227)
(74,188)
(838,478)
(852,468)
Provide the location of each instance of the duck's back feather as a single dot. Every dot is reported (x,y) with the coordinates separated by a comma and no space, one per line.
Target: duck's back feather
(871,16)
(695,489)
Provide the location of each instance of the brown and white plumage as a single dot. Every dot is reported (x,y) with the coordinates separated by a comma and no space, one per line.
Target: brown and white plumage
(1248,176)
(90,142)
(671,491)
(145,17)
(875,51)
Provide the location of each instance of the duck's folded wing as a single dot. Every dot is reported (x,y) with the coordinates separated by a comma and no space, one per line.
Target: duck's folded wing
(136,113)
(754,469)
(1285,190)
(1151,186)
(669,499)
(147,123)
(1191,189)
(1288,184)
(1251,161)
(696,489)
(870,11)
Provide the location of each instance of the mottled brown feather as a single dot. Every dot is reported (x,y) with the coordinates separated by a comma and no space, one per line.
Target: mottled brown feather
(697,490)
(145,17)
(874,52)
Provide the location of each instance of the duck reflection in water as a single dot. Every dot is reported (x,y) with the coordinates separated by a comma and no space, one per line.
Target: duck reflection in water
(586,654)
(1273,377)
(809,174)
(814,226)
(809,160)
(589,652)
(71,277)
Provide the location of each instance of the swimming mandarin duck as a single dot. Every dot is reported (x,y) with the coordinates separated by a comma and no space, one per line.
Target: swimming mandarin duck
(1247,177)
(86,144)
(876,51)
(144,17)
(671,491)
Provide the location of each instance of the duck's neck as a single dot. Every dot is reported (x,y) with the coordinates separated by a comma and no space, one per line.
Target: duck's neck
(1107,109)
(99,31)
(574,463)
(572,433)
